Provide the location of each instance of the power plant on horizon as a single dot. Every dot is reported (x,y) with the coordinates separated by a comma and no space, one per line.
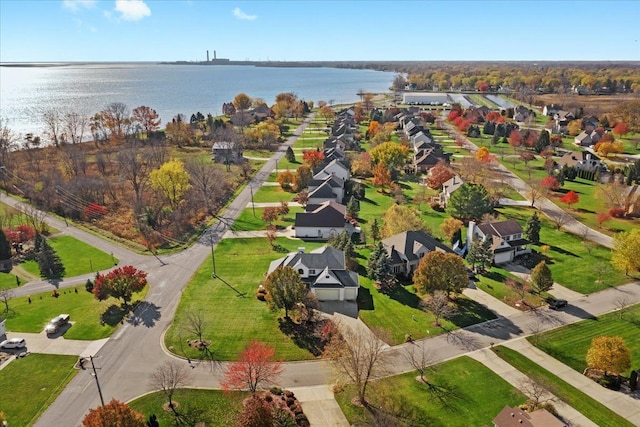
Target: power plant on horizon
(215,60)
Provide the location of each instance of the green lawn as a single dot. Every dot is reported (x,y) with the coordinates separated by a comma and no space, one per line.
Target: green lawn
(592,409)
(12,217)
(570,343)
(580,267)
(493,283)
(476,395)
(78,257)
(221,408)
(8,280)
(232,321)
(310,142)
(248,222)
(31,384)
(271,194)
(87,313)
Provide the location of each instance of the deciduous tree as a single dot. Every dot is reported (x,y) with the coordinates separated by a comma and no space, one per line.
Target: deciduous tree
(326,113)
(602,217)
(391,154)
(120,283)
(541,278)
(361,165)
(114,413)
(303,176)
(550,183)
(440,306)
(312,158)
(621,129)
(381,176)
(242,102)
(399,218)
(255,368)
(270,214)
(169,377)
(146,118)
(609,354)
(483,155)
(255,413)
(285,289)
(570,198)
(286,180)
(171,180)
(450,228)
(439,174)
(626,253)
(469,202)
(440,271)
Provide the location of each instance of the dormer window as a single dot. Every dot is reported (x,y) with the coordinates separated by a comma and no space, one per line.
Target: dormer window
(300,271)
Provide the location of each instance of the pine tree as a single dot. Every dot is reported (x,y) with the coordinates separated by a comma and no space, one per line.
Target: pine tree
(541,278)
(353,207)
(49,262)
(533,229)
(5,248)
(377,252)
(289,155)
(375,230)
(382,271)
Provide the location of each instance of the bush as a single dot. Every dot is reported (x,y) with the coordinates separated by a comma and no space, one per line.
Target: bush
(616,212)
(276,390)
(89,286)
(302,420)
(612,382)
(436,207)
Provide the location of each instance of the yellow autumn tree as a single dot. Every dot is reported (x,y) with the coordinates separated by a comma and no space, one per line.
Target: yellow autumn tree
(390,154)
(373,128)
(483,155)
(626,252)
(399,218)
(609,354)
(171,180)
(450,227)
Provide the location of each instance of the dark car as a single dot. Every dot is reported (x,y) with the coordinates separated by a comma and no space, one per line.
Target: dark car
(557,303)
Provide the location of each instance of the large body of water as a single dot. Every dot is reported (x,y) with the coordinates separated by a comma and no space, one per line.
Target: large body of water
(26,92)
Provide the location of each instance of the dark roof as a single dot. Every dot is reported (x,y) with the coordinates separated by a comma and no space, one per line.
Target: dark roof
(328,214)
(408,242)
(501,229)
(322,191)
(518,242)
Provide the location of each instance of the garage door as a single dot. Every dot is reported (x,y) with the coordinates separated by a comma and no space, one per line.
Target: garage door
(328,294)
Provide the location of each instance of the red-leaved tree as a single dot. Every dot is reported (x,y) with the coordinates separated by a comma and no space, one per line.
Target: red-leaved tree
(313,158)
(120,283)
(550,183)
(621,129)
(570,198)
(114,413)
(602,217)
(270,214)
(381,176)
(493,116)
(515,139)
(453,114)
(439,174)
(255,367)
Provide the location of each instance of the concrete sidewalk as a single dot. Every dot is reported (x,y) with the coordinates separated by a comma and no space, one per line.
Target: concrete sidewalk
(519,380)
(620,403)
(491,302)
(272,205)
(230,234)
(320,406)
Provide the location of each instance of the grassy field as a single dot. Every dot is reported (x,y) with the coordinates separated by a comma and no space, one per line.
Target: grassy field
(476,396)
(493,283)
(21,402)
(91,319)
(8,280)
(570,343)
(78,257)
(221,408)
(232,321)
(247,222)
(584,404)
(272,194)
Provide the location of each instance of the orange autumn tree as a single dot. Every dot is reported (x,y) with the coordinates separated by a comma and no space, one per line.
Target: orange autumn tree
(255,367)
(312,158)
(373,129)
(114,413)
(483,155)
(570,198)
(381,176)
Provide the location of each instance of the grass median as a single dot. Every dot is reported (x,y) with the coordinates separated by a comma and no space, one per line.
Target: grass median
(590,408)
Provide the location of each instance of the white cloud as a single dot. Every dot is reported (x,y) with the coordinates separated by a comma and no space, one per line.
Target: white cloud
(241,15)
(132,10)
(74,5)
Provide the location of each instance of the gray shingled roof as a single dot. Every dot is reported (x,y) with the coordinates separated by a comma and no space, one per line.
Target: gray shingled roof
(501,229)
(407,242)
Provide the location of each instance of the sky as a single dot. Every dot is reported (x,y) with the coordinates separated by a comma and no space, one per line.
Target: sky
(307,30)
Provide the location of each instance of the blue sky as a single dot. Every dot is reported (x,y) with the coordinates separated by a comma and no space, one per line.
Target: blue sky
(167,30)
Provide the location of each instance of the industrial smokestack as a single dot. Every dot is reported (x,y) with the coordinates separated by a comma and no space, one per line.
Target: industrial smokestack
(207,56)
(214,54)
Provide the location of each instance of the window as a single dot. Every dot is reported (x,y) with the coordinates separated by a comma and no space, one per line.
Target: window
(312,272)
(300,271)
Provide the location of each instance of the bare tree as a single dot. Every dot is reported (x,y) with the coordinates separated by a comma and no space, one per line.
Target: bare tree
(440,306)
(53,125)
(537,393)
(622,302)
(168,377)
(5,296)
(75,125)
(208,182)
(558,217)
(357,357)
(196,323)
(8,141)
(419,358)
(134,168)
(35,218)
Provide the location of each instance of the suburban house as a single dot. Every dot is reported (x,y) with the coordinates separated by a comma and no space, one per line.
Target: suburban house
(585,139)
(324,222)
(226,152)
(406,249)
(423,160)
(584,160)
(551,109)
(324,271)
(507,239)
(522,113)
(516,417)
(448,188)
(329,188)
(561,120)
(334,167)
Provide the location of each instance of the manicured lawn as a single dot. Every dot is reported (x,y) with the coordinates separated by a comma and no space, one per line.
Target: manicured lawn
(78,257)
(493,283)
(87,313)
(592,409)
(292,166)
(31,384)
(310,142)
(570,343)
(247,222)
(398,313)
(270,194)
(221,409)
(8,280)
(232,321)
(262,154)
(476,396)
(582,268)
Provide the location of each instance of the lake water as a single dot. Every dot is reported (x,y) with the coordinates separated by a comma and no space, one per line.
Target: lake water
(25,92)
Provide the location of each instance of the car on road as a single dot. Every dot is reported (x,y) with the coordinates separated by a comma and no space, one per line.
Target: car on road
(557,303)
(13,343)
(56,323)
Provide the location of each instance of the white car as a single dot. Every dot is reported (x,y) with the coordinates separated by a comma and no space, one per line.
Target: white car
(13,343)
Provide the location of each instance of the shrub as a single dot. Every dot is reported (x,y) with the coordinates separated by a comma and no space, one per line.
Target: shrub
(276,390)
(89,286)
(616,212)
(302,420)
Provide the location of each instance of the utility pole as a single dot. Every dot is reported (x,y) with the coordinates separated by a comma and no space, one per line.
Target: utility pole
(213,258)
(253,205)
(95,374)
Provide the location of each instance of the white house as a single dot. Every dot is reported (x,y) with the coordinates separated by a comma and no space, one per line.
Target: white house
(324,222)
(324,271)
(330,188)
(334,167)
(448,187)
(584,160)
(507,239)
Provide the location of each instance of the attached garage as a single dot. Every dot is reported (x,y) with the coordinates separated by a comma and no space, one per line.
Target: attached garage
(350,294)
(327,294)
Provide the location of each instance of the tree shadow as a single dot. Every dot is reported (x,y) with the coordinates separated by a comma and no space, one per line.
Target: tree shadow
(145,314)
(463,339)
(372,202)
(305,335)
(470,312)
(501,328)
(114,315)
(403,296)
(365,299)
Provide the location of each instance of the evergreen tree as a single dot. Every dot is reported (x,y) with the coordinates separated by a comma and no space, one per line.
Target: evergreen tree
(49,262)
(5,247)
(470,202)
(456,237)
(533,229)
(382,271)
(377,252)
(353,207)
(480,253)
(375,230)
(495,138)
(543,141)
(358,191)
(289,155)
(489,128)
(541,278)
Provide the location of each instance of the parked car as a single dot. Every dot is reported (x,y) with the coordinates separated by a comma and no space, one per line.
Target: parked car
(54,325)
(13,343)
(557,303)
